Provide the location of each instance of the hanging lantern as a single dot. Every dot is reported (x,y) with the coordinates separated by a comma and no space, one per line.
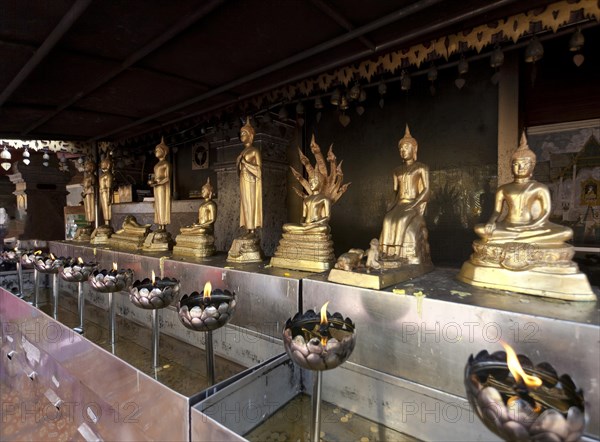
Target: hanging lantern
(405,81)
(26,156)
(534,51)
(46,159)
(5,156)
(335,97)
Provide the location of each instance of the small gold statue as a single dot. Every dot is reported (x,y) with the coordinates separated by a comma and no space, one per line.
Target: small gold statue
(403,244)
(103,233)
(88,194)
(249,163)
(131,236)
(307,245)
(523,251)
(160,240)
(198,240)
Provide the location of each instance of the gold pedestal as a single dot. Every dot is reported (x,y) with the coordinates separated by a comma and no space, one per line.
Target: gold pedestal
(83,234)
(101,235)
(127,241)
(197,246)
(245,250)
(379,279)
(535,269)
(160,241)
(310,253)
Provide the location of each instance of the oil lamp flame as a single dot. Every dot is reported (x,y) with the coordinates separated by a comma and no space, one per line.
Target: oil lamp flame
(115,266)
(153,278)
(38,252)
(52,256)
(207,290)
(79,260)
(517,371)
(324,322)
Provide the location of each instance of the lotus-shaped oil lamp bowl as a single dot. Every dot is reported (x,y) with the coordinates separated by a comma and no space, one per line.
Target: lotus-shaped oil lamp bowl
(48,263)
(315,345)
(206,313)
(149,295)
(27,259)
(74,270)
(551,411)
(110,281)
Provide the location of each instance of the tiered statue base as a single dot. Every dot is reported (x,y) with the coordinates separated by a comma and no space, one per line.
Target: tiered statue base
(83,234)
(127,241)
(244,250)
(160,241)
(379,279)
(101,235)
(310,253)
(197,246)
(535,269)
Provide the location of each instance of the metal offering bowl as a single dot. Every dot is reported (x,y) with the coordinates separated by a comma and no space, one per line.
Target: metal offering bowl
(27,259)
(552,412)
(302,340)
(145,294)
(73,271)
(110,281)
(206,314)
(46,264)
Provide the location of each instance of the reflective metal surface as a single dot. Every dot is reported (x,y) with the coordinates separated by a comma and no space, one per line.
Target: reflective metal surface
(425,332)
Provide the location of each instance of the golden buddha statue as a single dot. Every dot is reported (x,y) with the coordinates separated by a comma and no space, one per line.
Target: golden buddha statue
(403,247)
(160,240)
(403,238)
(88,194)
(523,251)
(307,245)
(105,191)
(249,164)
(198,239)
(131,235)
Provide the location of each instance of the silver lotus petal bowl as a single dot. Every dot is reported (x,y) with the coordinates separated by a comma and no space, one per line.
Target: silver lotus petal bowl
(73,271)
(206,314)
(517,416)
(303,344)
(110,281)
(144,294)
(47,264)
(27,259)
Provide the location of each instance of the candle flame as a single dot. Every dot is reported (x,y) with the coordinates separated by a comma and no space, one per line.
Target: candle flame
(324,322)
(79,260)
(153,278)
(207,290)
(115,266)
(516,370)
(52,256)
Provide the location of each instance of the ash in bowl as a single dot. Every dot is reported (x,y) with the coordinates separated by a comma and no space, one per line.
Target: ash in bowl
(206,313)
(554,411)
(319,345)
(148,295)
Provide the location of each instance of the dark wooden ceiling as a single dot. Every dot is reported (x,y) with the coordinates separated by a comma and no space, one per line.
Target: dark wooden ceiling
(109,70)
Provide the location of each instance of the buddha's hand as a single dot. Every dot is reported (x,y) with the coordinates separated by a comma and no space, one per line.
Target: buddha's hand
(489,228)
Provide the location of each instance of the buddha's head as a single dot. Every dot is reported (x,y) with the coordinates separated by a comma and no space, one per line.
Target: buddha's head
(523,160)
(207,190)
(247,132)
(161,150)
(315,181)
(408,146)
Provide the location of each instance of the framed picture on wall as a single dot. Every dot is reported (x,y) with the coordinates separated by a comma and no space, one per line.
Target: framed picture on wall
(200,156)
(568,162)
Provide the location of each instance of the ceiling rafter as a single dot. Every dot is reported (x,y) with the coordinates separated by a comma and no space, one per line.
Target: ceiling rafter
(53,38)
(180,26)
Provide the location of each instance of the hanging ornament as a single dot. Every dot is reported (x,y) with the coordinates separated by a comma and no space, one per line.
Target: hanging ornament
(463,68)
(354,92)
(575,45)
(299,108)
(300,114)
(382,89)
(405,81)
(360,110)
(335,97)
(283,113)
(344,103)
(496,60)
(318,103)
(26,157)
(534,51)
(344,120)
(5,156)
(318,116)
(267,119)
(432,75)
(363,96)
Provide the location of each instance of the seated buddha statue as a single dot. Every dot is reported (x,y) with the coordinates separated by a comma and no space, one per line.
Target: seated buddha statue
(316,210)
(404,234)
(528,207)
(207,214)
(523,251)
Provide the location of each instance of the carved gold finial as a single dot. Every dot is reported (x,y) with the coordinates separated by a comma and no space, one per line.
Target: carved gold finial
(523,151)
(207,186)
(163,146)
(248,128)
(408,138)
